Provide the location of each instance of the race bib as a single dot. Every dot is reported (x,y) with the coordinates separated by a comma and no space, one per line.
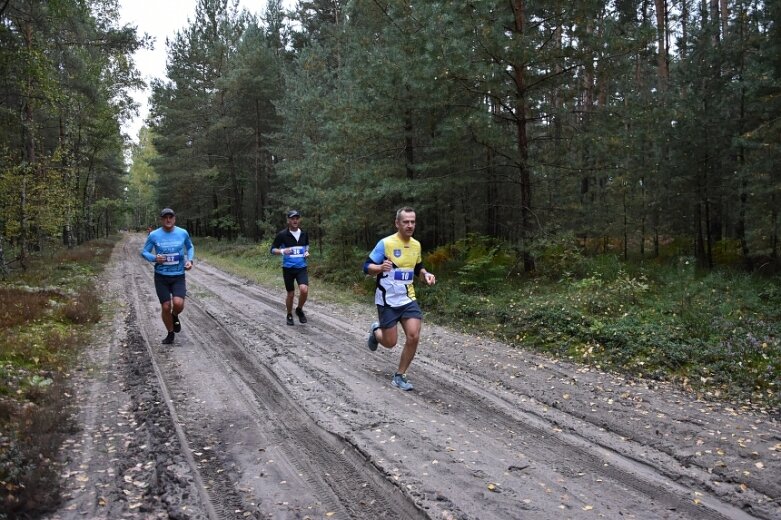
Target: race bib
(171,259)
(297,251)
(405,276)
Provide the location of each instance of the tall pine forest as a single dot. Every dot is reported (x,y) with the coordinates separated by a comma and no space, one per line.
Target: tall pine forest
(632,127)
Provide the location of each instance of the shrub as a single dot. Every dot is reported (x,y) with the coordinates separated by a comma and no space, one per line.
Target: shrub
(559,256)
(480,263)
(82,309)
(19,306)
(27,454)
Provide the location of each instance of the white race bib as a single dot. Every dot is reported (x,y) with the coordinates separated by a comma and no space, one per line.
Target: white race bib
(297,251)
(171,259)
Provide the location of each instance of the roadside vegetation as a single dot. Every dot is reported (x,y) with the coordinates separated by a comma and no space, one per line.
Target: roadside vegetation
(47,313)
(716,333)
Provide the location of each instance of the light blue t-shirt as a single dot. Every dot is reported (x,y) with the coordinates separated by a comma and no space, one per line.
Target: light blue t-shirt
(175,245)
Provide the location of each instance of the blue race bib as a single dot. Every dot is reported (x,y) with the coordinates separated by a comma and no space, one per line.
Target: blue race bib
(404,276)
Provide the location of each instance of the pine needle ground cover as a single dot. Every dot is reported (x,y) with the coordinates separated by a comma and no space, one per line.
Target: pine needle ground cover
(712,332)
(46,314)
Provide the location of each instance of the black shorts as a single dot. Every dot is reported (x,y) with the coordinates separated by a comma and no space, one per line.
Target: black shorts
(294,274)
(167,286)
(390,316)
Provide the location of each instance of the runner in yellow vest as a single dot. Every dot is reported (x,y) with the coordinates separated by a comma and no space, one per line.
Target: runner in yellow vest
(396,261)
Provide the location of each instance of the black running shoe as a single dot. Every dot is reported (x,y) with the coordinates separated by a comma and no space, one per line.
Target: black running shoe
(169,339)
(177,323)
(301,315)
(371,341)
(290,319)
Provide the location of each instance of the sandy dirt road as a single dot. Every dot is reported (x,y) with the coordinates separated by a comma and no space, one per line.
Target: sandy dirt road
(245,417)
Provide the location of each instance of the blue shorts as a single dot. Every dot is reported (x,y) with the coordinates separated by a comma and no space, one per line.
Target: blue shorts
(294,274)
(167,286)
(390,316)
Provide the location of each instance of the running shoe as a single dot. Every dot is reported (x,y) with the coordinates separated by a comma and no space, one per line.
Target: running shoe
(177,323)
(372,342)
(169,338)
(290,319)
(301,315)
(401,381)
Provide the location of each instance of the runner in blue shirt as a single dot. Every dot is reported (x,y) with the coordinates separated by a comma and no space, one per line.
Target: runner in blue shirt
(173,255)
(293,244)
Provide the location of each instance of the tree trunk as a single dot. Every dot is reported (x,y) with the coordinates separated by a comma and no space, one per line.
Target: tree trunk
(662,63)
(657,238)
(588,77)
(774,226)
(28,127)
(724,11)
(238,210)
(262,167)
(626,226)
(713,13)
(558,94)
(87,197)
(67,228)
(409,146)
(237,206)
(699,239)
(522,142)
(24,222)
(3,266)
(708,234)
(492,192)
(740,226)
(256,207)
(684,28)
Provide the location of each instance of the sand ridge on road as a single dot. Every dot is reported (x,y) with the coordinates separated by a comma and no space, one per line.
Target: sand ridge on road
(301,422)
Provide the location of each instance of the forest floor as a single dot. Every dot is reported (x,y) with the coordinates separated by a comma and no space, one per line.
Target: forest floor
(246,417)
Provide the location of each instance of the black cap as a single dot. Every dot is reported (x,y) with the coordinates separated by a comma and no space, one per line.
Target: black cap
(293,213)
(167,211)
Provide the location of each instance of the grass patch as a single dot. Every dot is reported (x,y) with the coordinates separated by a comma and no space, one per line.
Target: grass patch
(46,313)
(254,262)
(716,333)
